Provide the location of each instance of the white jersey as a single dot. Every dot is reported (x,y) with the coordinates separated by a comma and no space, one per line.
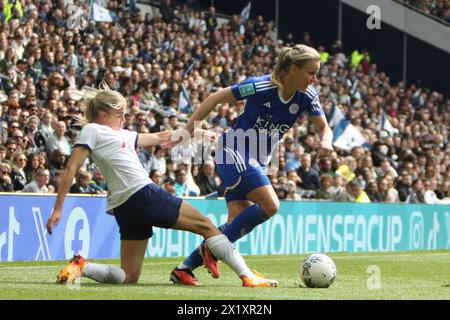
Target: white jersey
(115,154)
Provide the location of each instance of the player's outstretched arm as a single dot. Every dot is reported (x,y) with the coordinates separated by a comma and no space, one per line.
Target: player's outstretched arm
(222,96)
(150,139)
(326,135)
(76,159)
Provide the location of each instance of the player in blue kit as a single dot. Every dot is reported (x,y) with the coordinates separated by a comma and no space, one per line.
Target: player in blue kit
(274,103)
(136,202)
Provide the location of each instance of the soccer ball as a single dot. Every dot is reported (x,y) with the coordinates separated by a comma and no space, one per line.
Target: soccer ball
(318,271)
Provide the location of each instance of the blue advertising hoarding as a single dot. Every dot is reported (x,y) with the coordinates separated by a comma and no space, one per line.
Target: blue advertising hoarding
(299,227)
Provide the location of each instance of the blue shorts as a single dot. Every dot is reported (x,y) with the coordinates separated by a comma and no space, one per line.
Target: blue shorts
(150,206)
(240,174)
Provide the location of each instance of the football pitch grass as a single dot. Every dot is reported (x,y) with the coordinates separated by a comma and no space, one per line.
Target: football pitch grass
(402,275)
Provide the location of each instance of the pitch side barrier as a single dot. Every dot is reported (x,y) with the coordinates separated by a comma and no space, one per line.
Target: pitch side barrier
(299,227)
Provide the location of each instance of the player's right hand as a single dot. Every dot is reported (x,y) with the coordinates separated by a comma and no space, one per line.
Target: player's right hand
(206,135)
(53,220)
(325,148)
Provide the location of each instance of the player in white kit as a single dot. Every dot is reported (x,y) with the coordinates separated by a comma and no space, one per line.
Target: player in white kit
(136,202)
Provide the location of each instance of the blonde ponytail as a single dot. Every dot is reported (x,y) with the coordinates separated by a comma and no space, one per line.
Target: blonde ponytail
(103,99)
(298,54)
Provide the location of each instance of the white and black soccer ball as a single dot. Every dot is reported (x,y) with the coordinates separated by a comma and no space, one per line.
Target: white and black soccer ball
(318,271)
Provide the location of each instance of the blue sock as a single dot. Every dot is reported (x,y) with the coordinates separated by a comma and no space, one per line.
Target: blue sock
(195,259)
(243,224)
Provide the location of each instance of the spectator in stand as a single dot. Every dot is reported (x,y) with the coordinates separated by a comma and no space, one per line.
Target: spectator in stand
(207,180)
(430,196)
(83,183)
(260,26)
(307,40)
(159,160)
(386,169)
(291,193)
(417,194)
(18,176)
(289,153)
(366,168)
(337,187)
(379,153)
(156,177)
(11,147)
(180,183)
(58,140)
(373,193)
(392,194)
(39,183)
(347,170)
(98,182)
(342,193)
(295,162)
(308,175)
(404,186)
(211,19)
(324,192)
(221,118)
(5,178)
(32,166)
(147,157)
(357,192)
(58,161)
(141,121)
(325,167)
(36,138)
(2,153)
(167,11)
(192,189)
(45,125)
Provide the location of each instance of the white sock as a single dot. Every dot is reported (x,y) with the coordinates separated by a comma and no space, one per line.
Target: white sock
(104,273)
(183,266)
(223,250)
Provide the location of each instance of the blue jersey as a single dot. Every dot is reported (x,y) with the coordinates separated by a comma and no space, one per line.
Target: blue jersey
(269,114)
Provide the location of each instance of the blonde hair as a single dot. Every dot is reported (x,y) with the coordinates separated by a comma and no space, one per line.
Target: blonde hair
(298,55)
(83,174)
(33,117)
(5,166)
(104,99)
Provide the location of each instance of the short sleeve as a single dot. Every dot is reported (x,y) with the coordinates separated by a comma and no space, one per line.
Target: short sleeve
(314,107)
(244,89)
(87,138)
(133,138)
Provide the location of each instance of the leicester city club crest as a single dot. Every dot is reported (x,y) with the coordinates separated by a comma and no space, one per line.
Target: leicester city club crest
(253,162)
(293,108)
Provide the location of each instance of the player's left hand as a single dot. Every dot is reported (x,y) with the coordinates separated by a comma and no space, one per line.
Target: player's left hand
(53,220)
(325,148)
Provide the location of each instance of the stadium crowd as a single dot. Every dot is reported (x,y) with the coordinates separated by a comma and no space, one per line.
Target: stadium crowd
(437,8)
(44,64)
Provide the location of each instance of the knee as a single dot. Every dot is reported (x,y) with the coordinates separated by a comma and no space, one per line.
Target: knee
(270,208)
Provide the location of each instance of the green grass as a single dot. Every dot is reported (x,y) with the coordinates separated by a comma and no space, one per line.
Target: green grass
(404,275)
